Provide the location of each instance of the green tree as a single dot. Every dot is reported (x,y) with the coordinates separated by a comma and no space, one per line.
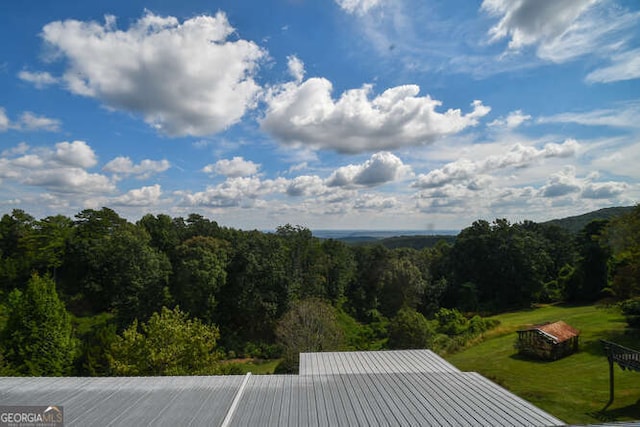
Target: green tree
(199,272)
(112,264)
(38,337)
(168,344)
(402,286)
(311,325)
(623,237)
(410,330)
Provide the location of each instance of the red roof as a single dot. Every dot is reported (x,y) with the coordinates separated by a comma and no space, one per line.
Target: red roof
(559,330)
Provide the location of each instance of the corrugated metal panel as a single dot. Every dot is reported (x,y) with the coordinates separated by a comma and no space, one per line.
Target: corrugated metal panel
(128,401)
(405,388)
(397,399)
(360,362)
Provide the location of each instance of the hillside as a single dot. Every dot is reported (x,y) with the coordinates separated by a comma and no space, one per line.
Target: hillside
(576,223)
(575,388)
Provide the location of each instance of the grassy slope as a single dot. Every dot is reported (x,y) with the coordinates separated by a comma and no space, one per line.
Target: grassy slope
(574,389)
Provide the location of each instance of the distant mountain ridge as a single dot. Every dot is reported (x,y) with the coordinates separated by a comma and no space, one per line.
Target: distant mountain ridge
(420,239)
(576,223)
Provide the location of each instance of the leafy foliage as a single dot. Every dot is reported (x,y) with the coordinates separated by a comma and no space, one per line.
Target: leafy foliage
(309,326)
(168,344)
(38,338)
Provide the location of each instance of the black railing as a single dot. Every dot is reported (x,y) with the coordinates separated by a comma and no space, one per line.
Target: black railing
(626,358)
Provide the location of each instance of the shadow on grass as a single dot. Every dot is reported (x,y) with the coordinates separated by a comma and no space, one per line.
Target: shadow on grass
(628,338)
(518,356)
(629,412)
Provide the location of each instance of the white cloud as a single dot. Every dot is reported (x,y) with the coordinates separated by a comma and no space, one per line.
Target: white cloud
(566,182)
(29,121)
(58,170)
(296,68)
(40,79)
(69,180)
(381,168)
(4,120)
(604,190)
(512,121)
(561,184)
(563,30)
(76,153)
(527,22)
(306,185)
(233,168)
(625,66)
(358,6)
(241,191)
(517,157)
(624,116)
(304,114)
(144,196)
(185,78)
(146,168)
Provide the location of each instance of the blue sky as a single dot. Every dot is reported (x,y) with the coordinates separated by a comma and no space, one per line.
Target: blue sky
(366,114)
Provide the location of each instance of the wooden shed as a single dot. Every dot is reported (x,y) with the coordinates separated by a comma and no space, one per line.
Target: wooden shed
(549,341)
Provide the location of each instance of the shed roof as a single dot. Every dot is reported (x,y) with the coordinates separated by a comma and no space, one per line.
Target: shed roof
(560,331)
(433,393)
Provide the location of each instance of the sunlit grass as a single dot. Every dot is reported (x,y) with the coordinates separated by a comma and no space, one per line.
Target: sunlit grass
(574,389)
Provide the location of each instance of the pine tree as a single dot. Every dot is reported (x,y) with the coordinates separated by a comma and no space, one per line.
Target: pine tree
(38,337)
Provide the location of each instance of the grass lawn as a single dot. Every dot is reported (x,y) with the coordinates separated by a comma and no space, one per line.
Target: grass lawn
(574,389)
(255,366)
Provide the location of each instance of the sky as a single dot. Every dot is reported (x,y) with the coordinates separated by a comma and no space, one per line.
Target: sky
(329,114)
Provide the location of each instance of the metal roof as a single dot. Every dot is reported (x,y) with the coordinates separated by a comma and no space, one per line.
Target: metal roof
(360,362)
(381,392)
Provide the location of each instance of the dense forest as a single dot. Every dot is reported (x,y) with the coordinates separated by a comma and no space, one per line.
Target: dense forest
(99,295)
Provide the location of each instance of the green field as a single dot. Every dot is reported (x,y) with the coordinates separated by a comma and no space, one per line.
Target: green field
(574,389)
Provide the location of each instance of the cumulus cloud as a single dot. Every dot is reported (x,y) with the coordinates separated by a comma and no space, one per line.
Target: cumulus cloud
(233,168)
(562,30)
(40,79)
(358,7)
(185,78)
(380,168)
(124,166)
(566,182)
(69,180)
(512,121)
(58,170)
(306,185)
(304,114)
(234,192)
(144,196)
(76,153)
(526,22)
(517,157)
(28,121)
(561,184)
(604,190)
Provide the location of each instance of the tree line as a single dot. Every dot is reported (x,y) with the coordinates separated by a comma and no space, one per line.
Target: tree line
(151,297)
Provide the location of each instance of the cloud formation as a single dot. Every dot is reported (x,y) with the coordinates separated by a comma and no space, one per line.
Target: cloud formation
(233,168)
(124,166)
(517,157)
(185,78)
(28,121)
(304,114)
(59,170)
(527,22)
